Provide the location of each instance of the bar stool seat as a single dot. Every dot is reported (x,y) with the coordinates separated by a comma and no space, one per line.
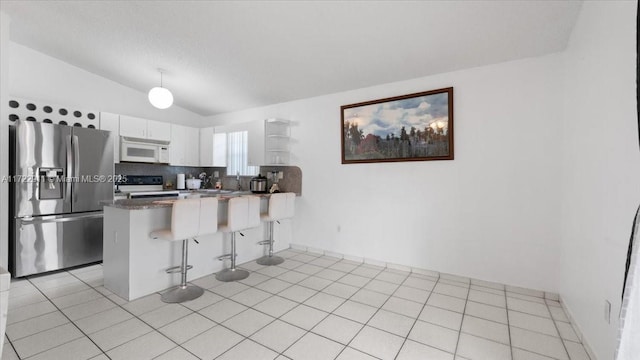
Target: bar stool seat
(190,218)
(281,206)
(243,213)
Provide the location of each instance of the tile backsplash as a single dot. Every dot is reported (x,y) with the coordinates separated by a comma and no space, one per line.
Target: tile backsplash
(291,181)
(169,173)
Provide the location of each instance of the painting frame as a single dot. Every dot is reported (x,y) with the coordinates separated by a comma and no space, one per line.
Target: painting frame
(435,142)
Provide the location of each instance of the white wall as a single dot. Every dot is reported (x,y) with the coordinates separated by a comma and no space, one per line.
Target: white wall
(37,76)
(601,166)
(492,213)
(4,137)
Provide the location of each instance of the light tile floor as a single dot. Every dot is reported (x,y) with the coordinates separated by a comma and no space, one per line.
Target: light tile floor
(310,307)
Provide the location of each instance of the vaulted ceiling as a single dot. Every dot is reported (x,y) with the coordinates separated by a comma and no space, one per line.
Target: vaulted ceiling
(222,56)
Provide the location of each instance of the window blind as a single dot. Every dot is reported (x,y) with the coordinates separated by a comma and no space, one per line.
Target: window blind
(237,154)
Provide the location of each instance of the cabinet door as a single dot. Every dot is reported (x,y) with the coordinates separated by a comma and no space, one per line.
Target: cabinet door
(255,137)
(178,144)
(157,130)
(206,146)
(219,149)
(192,146)
(133,127)
(111,122)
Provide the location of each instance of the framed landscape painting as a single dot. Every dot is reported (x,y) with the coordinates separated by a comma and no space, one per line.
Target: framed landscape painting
(414,127)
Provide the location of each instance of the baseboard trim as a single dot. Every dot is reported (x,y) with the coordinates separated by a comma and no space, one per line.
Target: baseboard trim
(433,273)
(577,330)
(394,266)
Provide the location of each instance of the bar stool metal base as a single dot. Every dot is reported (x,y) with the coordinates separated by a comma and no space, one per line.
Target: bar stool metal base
(269,260)
(181,293)
(228,275)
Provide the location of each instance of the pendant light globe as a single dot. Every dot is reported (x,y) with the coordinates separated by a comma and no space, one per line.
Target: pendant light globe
(160,97)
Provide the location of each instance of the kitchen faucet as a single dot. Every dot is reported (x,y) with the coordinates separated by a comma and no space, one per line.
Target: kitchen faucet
(238,180)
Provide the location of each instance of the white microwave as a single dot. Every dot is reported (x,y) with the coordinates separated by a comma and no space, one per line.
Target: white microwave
(147,151)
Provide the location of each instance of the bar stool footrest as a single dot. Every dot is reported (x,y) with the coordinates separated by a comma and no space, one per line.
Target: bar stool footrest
(177,269)
(225,256)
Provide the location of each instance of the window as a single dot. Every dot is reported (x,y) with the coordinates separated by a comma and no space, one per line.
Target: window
(237,154)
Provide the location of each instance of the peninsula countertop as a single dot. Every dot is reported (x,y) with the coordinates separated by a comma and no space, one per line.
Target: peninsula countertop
(163,202)
(134,263)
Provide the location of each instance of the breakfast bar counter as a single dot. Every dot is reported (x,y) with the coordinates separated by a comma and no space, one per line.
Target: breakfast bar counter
(134,264)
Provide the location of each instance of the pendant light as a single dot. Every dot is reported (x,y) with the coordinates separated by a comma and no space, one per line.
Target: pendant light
(160,97)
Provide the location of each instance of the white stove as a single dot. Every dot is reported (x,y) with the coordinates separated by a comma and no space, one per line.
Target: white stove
(145,186)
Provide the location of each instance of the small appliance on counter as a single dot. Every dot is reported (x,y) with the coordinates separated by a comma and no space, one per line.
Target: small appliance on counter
(258,184)
(193,184)
(275,188)
(180,182)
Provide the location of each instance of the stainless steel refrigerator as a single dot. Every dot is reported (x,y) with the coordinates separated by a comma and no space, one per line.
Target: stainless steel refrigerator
(60,176)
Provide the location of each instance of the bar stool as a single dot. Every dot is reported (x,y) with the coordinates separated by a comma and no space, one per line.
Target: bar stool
(189,218)
(281,206)
(243,213)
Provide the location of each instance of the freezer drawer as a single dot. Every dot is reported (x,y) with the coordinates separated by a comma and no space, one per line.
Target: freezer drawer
(48,243)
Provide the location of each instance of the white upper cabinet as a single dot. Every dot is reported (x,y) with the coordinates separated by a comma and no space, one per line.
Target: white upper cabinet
(133,127)
(178,141)
(144,129)
(213,147)
(185,149)
(157,130)
(111,122)
(206,146)
(192,146)
(220,149)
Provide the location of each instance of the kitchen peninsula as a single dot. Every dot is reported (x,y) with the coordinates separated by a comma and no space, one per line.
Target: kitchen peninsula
(134,264)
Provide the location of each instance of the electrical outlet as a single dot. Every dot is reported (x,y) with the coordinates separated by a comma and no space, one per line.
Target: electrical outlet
(338,228)
(280,175)
(607,311)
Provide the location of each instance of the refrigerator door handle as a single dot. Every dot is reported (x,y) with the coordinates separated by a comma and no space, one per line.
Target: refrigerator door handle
(76,165)
(70,172)
(57,218)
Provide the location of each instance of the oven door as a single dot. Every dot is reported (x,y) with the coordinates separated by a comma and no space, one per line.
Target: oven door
(139,152)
